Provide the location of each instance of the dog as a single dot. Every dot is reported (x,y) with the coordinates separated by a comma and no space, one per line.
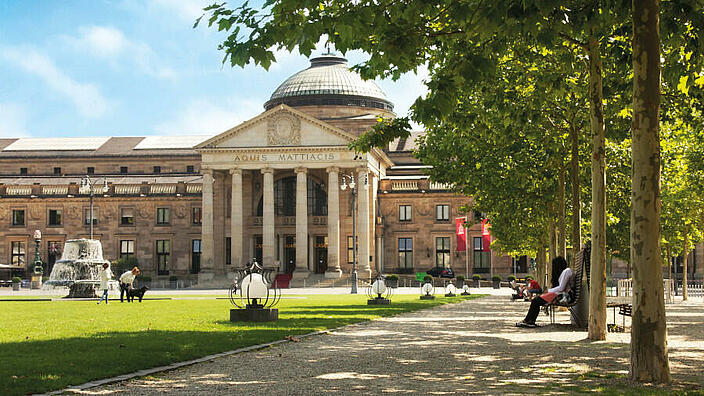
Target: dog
(139,293)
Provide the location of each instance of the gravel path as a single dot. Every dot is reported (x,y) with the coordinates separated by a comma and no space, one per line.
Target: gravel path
(468,348)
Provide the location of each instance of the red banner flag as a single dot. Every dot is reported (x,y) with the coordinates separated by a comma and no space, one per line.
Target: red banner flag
(461,234)
(486,235)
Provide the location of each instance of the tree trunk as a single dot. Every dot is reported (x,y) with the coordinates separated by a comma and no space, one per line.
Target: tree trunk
(669,263)
(561,242)
(540,266)
(597,276)
(684,263)
(649,360)
(576,194)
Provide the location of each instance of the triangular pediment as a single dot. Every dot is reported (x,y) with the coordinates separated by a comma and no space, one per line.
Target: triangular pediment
(282,126)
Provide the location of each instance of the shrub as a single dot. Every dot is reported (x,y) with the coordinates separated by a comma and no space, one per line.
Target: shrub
(460,278)
(145,278)
(476,277)
(529,277)
(428,279)
(511,278)
(392,277)
(173,278)
(124,264)
(496,278)
(16,279)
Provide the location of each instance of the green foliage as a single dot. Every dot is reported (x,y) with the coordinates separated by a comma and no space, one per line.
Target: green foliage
(392,277)
(173,278)
(511,278)
(529,277)
(53,345)
(124,264)
(144,278)
(476,277)
(496,278)
(427,279)
(16,279)
(460,278)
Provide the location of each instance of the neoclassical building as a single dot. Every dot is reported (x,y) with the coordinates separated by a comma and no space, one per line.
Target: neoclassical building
(271,188)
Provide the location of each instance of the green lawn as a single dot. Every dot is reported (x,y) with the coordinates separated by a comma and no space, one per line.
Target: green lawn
(50,345)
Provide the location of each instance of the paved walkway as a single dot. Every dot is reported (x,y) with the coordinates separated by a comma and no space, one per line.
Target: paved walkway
(470,347)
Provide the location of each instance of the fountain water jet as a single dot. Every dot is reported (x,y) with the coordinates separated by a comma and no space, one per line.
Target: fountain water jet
(79,268)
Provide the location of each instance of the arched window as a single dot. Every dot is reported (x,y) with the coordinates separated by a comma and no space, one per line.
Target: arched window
(285,198)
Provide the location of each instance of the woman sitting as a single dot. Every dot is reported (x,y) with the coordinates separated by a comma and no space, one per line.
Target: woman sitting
(562,282)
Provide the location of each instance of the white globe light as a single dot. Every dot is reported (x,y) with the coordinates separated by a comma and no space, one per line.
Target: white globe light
(254,286)
(427,288)
(465,288)
(378,287)
(451,289)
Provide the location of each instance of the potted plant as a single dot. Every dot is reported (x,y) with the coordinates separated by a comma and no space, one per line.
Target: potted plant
(460,281)
(476,278)
(511,278)
(173,281)
(428,279)
(16,283)
(391,280)
(496,279)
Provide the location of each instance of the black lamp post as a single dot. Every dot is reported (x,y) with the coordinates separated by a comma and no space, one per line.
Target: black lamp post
(38,268)
(353,189)
(87,187)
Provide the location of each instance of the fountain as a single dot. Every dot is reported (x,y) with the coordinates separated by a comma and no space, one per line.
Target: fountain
(79,268)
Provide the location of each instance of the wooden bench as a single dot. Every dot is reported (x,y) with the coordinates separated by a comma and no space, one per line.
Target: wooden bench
(581,264)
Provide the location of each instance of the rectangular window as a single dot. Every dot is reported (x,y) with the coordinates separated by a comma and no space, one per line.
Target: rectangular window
(90,170)
(196,249)
(126,249)
(405,253)
(19,253)
(127,216)
(481,258)
(228,251)
(123,169)
(442,212)
(87,216)
(57,171)
(163,216)
(54,217)
(190,169)
(350,249)
(23,171)
(404,213)
(18,217)
(163,254)
(442,251)
(157,169)
(196,215)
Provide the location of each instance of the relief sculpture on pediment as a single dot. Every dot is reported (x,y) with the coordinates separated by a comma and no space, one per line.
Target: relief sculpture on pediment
(35,212)
(143,211)
(283,130)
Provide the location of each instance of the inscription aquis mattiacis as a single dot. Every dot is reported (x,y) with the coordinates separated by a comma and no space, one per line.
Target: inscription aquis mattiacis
(293,157)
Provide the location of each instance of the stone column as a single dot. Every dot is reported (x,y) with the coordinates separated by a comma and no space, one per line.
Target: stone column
(268,219)
(207,239)
(301,224)
(363,223)
(236,220)
(334,270)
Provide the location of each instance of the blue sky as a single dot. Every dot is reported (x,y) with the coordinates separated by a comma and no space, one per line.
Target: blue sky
(133,68)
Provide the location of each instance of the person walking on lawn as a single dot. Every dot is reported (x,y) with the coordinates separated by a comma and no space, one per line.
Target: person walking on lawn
(126,280)
(562,283)
(105,276)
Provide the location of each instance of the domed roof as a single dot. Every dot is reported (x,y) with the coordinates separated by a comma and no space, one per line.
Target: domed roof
(328,81)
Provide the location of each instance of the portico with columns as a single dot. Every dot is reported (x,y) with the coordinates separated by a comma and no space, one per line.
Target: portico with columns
(271,191)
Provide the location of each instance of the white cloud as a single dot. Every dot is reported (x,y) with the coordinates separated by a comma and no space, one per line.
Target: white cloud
(109,43)
(86,97)
(13,120)
(203,116)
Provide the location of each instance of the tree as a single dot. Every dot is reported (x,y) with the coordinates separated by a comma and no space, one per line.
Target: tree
(649,360)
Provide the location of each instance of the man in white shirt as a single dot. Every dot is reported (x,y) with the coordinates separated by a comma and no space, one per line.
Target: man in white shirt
(126,280)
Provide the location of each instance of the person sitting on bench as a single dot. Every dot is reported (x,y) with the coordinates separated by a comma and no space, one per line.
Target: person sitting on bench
(526,291)
(561,283)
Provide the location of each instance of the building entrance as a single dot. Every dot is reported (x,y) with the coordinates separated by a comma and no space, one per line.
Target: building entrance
(289,253)
(321,254)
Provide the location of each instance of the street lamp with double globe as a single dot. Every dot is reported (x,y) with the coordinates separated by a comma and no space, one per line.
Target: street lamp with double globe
(87,187)
(349,180)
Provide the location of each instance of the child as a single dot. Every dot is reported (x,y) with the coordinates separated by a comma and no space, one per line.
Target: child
(105,276)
